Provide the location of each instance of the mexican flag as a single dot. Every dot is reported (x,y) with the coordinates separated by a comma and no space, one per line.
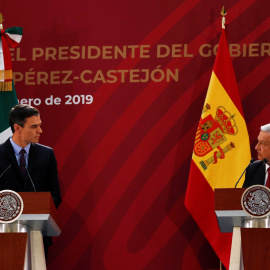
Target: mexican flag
(8,98)
(221,151)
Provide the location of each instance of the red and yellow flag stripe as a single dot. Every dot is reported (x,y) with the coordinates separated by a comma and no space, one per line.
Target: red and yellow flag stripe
(221,150)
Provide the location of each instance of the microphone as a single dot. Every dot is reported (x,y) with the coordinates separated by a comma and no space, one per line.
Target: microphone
(30,180)
(251,161)
(5,170)
(265,161)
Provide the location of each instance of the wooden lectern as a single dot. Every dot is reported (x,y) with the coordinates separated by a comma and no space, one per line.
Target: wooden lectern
(251,236)
(21,242)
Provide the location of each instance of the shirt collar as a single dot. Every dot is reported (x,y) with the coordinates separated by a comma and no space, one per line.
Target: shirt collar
(18,148)
(266,167)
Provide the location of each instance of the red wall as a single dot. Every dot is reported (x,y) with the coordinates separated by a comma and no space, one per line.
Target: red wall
(124,158)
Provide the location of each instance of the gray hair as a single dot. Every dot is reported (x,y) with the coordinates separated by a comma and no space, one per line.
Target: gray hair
(266,128)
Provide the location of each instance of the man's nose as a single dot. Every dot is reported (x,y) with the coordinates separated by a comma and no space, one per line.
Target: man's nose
(257,146)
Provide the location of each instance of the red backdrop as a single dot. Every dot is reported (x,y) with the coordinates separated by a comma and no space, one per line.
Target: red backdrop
(120,86)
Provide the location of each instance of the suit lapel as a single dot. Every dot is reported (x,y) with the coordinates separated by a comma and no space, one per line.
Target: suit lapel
(262,175)
(13,160)
(31,159)
(258,174)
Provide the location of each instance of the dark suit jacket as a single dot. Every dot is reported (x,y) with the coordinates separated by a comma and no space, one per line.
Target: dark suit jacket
(255,174)
(42,168)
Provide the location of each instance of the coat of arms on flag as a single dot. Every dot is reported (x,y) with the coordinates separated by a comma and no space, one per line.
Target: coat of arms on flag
(9,37)
(211,134)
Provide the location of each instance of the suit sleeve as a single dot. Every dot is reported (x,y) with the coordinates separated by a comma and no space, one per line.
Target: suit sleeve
(246,182)
(255,174)
(54,182)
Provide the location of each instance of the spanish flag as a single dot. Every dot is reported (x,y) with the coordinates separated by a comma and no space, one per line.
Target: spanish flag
(221,150)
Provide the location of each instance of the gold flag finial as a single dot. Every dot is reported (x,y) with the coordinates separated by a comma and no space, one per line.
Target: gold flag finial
(223,13)
(1,21)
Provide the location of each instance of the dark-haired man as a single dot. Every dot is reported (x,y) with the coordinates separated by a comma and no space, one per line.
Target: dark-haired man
(26,165)
(257,172)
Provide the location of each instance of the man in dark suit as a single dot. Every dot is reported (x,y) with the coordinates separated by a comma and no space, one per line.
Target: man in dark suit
(257,173)
(26,165)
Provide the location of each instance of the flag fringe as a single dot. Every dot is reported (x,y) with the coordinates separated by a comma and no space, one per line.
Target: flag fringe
(5,74)
(5,80)
(6,86)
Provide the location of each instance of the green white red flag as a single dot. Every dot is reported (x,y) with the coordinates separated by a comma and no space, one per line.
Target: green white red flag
(8,98)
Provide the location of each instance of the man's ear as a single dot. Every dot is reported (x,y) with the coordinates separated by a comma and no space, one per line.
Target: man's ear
(17,128)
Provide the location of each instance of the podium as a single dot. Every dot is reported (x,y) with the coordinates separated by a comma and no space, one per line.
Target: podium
(251,236)
(21,242)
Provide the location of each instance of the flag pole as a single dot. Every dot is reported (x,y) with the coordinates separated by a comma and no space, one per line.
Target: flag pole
(223,23)
(223,13)
(1,21)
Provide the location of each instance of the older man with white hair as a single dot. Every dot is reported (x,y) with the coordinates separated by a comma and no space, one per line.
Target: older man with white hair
(257,173)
